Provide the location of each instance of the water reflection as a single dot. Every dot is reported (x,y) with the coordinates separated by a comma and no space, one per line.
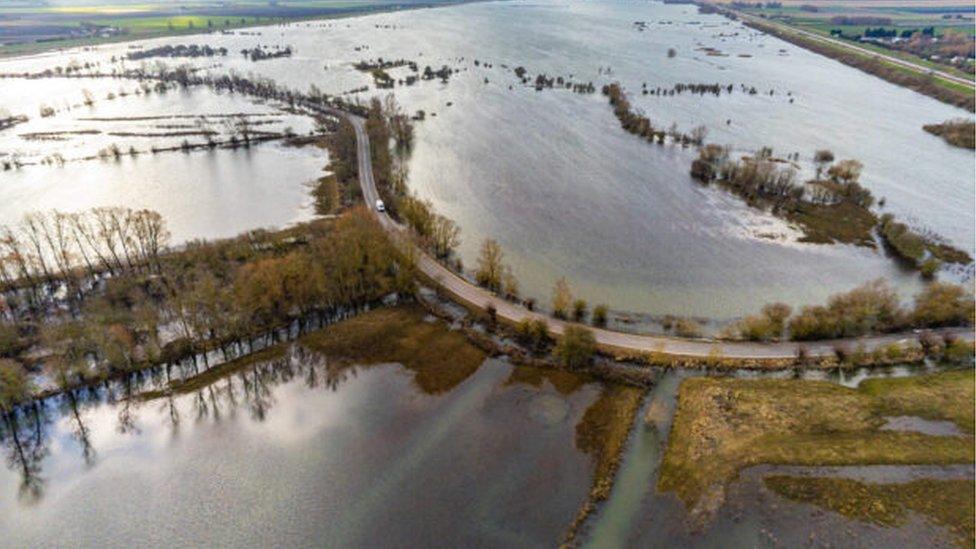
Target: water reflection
(26,446)
(322,448)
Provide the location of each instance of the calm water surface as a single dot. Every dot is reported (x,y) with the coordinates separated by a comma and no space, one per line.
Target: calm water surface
(302,453)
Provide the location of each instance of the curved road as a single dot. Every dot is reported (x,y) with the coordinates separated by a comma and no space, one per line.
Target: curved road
(478,297)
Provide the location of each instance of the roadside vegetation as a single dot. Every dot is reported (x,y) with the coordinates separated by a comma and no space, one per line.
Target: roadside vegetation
(871,308)
(723,425)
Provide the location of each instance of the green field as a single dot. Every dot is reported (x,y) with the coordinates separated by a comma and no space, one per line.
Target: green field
(28,29)
(902,18)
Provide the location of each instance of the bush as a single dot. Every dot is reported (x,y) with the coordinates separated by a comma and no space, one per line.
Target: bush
(767,326)
(930,267)
(872,307)
(943,304)
(11,343)
(600,315)
(579,310)
(14,385)
(685,327)
(958,350)
(562,299)
(576,347)
(533,333)
(932,344)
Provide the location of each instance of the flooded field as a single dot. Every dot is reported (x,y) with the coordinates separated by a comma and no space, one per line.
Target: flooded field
(298,450)
(105,154)
(390,429)
(550,174)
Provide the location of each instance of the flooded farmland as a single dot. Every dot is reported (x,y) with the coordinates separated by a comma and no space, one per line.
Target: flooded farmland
(551,176)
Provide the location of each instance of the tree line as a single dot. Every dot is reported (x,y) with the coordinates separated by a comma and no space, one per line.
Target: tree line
(636,123)
(222,296)
(871,308)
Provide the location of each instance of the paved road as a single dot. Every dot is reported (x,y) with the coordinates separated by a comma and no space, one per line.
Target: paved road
(848,45)
(481,298)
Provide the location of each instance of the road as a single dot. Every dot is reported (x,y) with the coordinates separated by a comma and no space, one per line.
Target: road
(847,45)
(480,298)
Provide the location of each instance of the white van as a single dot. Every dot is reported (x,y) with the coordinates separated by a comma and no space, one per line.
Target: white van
(380,207)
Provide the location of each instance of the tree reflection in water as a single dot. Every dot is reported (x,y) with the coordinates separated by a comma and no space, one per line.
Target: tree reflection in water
(23,436)
(25,433)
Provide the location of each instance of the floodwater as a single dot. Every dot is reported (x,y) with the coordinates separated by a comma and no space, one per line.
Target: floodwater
(566,192)
(301,452)
(201,194)
(304,448)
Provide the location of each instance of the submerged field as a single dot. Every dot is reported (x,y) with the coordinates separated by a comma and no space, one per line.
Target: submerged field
(549,173)
(390,428)
(320,440)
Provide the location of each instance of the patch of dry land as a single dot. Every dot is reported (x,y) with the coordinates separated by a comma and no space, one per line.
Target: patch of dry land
(723,425)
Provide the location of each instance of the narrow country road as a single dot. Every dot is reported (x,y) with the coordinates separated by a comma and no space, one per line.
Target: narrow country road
(480,298)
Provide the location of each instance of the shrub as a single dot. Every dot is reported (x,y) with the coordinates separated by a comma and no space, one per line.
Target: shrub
(943,304)
(868,308)
(931,344)
(14,385)
(576,347)
(579,310)
(929,267)
(562,299)
(600,315)
(958,350)
(685,327)
(533,333)
(11,343)
(766,326)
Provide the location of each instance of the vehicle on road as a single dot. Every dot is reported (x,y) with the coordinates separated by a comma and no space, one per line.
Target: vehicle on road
(380,206)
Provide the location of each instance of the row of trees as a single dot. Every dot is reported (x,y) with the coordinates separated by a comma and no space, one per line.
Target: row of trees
(493,273)
(873,307)
(436,233)
(55,248)
(633,121)
(218,296)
